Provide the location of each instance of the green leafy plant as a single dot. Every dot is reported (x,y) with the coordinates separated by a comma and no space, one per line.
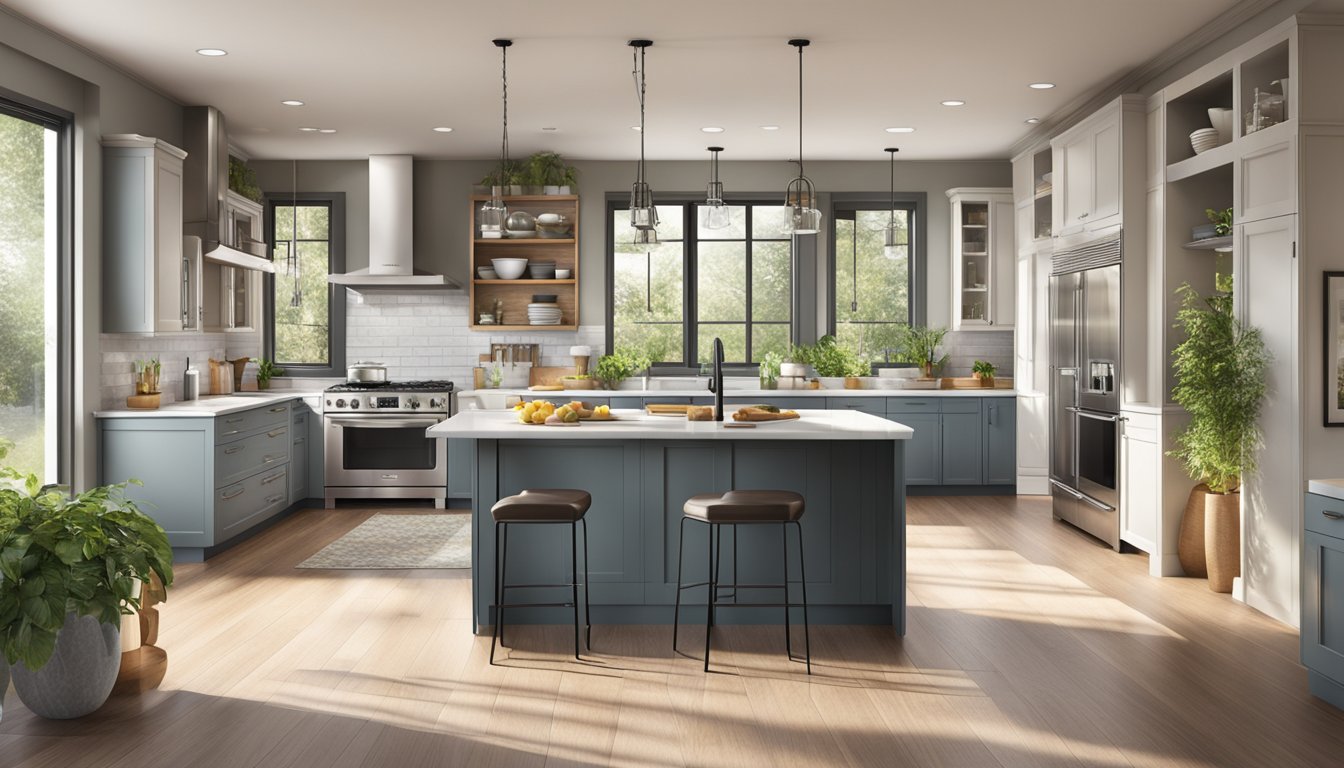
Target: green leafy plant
(984,369)
(243,180)
(1221,220)
(549,169)
(617,367)
(769,368)
(1220,380)
(920,345)
(266,370)
(829,358)
(86,554)
(505,174)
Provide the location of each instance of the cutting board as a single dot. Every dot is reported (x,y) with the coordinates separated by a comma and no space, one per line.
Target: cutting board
(543,375)
(970,382)
(665,409)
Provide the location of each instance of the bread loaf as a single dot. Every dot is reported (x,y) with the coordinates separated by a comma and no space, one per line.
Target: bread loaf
(700,413)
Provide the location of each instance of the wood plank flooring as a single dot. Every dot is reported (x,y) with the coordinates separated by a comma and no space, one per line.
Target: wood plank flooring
(1029,645)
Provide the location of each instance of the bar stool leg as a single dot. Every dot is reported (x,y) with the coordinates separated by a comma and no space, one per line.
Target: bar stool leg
(574,580)
(788,639)
(713,590)
(499,593)
(676,605)
(735,581)
(802,568)
(587,587)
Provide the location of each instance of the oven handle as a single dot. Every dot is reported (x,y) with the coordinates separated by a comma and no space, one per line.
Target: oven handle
(1091,415)
(1066,489)
(377,423)
(1097,504)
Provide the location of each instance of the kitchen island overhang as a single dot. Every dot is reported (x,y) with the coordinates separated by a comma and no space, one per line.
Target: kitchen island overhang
(848,465)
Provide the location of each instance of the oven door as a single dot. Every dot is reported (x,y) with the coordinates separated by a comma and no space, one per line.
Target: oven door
(1098,456)
(383,450)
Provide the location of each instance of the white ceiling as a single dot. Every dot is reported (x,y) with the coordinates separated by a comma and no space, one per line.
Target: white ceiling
(384,73)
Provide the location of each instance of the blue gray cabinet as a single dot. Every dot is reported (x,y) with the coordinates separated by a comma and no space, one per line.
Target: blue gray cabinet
(959,441)
(1323,598)
(869,405)
(459,468)
(1000,439)
(924,451)
(962,446)
(298,453)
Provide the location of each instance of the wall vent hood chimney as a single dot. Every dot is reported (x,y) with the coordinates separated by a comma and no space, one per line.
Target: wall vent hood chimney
(391,268)
(205,179)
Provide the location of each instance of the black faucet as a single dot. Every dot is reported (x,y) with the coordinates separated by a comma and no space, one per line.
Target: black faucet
(716,383)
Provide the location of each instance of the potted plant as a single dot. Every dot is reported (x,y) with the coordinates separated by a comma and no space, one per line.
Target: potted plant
(548,170)
(243,180)
(615,368)
(769,370)
(1221,220)
(70,566)
(836,365)
(920,346)
(265,370)
(508,176)
(983,371)
(1220,381)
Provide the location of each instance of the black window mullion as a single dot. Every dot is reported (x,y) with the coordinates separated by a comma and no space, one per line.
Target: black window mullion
(690,254)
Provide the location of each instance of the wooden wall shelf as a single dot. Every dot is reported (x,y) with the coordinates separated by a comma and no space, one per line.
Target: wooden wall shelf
(515,295)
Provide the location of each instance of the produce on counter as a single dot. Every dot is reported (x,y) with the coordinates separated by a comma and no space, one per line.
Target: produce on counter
(757,413)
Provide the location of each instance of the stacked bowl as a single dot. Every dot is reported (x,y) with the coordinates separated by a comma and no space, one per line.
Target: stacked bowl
(543,310)
(1204,139)
(541,270)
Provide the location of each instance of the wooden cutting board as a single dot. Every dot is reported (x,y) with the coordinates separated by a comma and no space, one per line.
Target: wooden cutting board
(755,416)
(970,382)
(544,375)
(665,409)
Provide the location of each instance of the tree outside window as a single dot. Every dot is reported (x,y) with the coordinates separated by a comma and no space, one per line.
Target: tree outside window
(300,295)
(871,293)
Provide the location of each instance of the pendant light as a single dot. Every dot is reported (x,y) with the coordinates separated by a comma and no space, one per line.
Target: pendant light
(715,212)
(643,213)
(494,211)
(801,196)
(892,242)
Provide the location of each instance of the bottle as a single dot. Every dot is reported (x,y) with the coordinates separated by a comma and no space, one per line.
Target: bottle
(191,382)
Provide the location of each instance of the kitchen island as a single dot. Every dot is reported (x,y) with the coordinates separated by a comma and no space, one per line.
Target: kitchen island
(640,469)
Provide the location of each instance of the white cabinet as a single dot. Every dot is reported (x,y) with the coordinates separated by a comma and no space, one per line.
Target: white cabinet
(148,286)
(1140,481)
(983,259)
(233,294)
(1089,166)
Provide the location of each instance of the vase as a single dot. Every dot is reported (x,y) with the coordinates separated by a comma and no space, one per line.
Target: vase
(1190,541)
(985,381)
(1222,539)
(853,382)
(926,370)
(79,676)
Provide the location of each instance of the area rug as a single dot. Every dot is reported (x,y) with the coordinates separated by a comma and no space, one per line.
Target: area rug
(400,541)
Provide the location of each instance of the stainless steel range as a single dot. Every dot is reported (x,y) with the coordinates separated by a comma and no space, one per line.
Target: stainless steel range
(375,441)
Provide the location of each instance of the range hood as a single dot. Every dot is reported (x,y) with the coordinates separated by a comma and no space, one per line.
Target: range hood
(205,180)
(391,251)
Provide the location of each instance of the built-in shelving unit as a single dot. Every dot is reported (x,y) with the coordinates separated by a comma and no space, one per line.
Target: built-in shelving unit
(515,295)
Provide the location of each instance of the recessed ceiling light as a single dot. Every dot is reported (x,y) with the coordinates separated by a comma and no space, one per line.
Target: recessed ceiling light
(769,127)
(1042,86)
(549,128)
(212,51)
(711,129)
(953,103)
(443,129)
(292,103)
(900,130)
(1033,120)
(326,130)
(308,129)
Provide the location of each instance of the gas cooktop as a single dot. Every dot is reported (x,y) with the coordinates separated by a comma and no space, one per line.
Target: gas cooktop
(398,386)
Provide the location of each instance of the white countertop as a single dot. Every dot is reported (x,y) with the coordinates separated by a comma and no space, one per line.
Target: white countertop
(637,425)
(1332,487)
(736,394)
(209,406)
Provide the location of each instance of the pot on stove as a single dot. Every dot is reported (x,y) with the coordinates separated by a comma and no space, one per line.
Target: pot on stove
(366,373)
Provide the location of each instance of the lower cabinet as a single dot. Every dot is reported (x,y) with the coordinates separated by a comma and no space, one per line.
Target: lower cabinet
(1140,486)
(459,468)
(967,441)
(924,451)
(1000,440)
(962,444)
(298,455)
(1323,598)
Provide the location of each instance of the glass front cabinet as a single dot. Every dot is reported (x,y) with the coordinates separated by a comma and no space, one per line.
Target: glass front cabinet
(983,263)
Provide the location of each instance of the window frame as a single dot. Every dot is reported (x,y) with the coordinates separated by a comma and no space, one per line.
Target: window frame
(690,323)
(21,107)
(914,202)
(336,294)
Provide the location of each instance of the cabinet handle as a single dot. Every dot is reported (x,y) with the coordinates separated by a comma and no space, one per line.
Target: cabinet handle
(269,459)
(1332,515)
(279,409)
(233,450)
(227,496)
(1082,215)
(992,408)
(275,433)
(273,478)
(273,499)
(234,420)
(298,440)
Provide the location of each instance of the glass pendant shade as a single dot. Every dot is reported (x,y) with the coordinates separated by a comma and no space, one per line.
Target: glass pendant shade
(801,198)
(644,238)
(715,214)
(643,213)
(894,244)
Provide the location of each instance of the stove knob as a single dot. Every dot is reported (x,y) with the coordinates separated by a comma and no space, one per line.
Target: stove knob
(435,402)
(340,403)
(328,401)
(354,402)
(413,402)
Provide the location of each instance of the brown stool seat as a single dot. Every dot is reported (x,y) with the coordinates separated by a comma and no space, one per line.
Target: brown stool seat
(542,505)
(745,507)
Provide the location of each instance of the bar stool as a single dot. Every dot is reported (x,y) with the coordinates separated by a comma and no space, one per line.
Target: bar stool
(736,508)
(542,506)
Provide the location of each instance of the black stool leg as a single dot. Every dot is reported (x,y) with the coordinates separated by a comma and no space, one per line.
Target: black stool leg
(676,605)
(574,580)
(587,610)
(788,640)
(735,581)
(499,593)
(713,590)
(802,568)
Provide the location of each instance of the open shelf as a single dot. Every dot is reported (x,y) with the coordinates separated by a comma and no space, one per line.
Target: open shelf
(525,281)
(524,328)
(1202,163)
(513,296)
(525,241)
(1223,243)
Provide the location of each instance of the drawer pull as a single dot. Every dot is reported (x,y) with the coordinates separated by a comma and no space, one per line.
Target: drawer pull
(273,478)
(298,440)
(1332,515)
(275,433)
(234,495)
(234,420)
(279,409)
(233,450)
(273,499)
(230,432)
(269,459)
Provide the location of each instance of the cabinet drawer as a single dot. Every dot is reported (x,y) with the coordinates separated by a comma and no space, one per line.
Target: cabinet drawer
(242,505)
(240,458)
(783,403)
(1320,515)
(873,405)
(961,405)
(231,426)
(897,405)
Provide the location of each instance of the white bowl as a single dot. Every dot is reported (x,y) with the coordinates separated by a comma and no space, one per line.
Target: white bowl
(486,273)
(1204,139)
(1221,120)
(562,274)
(509,269)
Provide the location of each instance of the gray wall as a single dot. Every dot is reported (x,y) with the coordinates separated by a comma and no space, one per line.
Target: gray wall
(442,189)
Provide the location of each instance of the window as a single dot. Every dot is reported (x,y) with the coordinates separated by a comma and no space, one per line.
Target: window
(874,294)
(35,321)
(306,314)
(670,301)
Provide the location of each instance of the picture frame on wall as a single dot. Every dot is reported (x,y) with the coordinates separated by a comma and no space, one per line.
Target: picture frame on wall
(1333,310)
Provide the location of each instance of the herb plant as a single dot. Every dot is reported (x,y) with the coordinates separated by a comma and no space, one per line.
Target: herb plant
(920,346)
(1220,380)
(830,359)
(1222,221)
(85,554)
(617,367)
(266,370)
(984,368)
(243,180)
(769,368)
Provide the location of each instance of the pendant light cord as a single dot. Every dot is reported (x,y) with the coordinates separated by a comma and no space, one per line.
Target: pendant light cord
(503,46)
(800,112)
(638,56)
(891,221)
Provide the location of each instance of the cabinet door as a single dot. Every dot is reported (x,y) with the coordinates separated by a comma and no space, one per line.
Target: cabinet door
(962,446)
(1003,285)
(1105,172)
(171,273)
(1076,176)
(459,467)
(1140,490)
(298,467)
(924,451)
(1323,605)
(1000,441)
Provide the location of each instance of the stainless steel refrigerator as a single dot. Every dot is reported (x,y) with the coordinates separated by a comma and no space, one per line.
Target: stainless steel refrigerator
(1084,397)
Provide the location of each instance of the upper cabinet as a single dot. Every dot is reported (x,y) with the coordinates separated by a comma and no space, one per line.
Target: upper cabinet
(547,255)
(233,294)
(983,259)
(1089,167)
(149,284)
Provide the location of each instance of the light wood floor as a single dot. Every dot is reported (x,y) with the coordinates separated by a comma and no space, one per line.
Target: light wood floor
(1029,644)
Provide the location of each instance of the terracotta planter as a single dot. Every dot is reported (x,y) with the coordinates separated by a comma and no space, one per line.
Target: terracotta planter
(1222,539)
(1190,542)
(985,381)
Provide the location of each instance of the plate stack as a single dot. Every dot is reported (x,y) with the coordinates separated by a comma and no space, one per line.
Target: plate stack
(543,311)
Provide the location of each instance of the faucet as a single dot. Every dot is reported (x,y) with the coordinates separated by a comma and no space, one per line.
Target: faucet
(716,383)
